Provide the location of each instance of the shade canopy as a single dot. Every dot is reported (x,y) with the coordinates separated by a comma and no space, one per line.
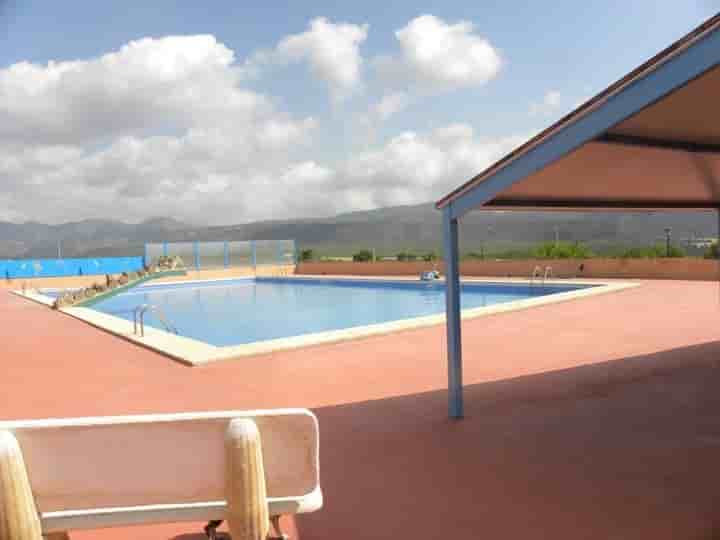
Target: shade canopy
(649,141)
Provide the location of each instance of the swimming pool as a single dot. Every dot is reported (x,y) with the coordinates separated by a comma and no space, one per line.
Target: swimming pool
(244,311)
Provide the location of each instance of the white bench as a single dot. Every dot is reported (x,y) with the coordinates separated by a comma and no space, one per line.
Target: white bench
(248,467)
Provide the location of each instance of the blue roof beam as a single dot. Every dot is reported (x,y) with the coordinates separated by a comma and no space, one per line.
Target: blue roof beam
(675,71)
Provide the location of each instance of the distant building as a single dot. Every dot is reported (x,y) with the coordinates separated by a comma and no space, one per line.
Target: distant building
(701,243)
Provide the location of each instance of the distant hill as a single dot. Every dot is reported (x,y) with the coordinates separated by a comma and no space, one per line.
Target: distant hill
(87,237)
(387,230)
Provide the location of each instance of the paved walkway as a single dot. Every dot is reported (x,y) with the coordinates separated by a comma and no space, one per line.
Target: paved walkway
(595,418)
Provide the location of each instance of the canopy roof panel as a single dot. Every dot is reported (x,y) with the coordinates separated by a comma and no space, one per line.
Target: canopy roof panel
(690,113)
(609,175)
(649,141)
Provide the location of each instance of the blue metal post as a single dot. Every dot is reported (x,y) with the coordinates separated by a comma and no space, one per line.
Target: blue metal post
(146,262)
(226,254)
(196,252)
(165,249)
(452,298)
(254,255)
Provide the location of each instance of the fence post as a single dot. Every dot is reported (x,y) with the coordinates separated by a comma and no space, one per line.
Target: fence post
(254,255)
(226,254)
(279,253)
(165,249)
(196,253)
(145,256)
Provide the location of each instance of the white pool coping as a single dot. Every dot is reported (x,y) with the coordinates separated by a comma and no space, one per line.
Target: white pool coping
(197,353)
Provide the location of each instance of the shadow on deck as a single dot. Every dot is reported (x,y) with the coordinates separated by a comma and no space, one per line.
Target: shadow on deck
(621,449)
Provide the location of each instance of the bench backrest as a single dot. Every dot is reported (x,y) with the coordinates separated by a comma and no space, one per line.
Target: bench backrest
(172,459)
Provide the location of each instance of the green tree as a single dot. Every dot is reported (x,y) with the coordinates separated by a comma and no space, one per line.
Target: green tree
(364,255)
(712,252)
(306,255)
(406,256)
(652,252)
(675,252)
(563,250)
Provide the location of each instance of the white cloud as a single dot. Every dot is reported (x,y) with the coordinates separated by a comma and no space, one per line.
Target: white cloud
(415,167)
(377,113)
(331,49)
(549,105)
(438,56)
(454,132)
(164,127)
(391,104)
(408,169)
(170,83)
(306,172)
(191,178)
(434,57)
(149,129)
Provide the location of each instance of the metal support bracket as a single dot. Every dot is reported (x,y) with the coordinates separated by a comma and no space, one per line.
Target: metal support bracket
(212,526)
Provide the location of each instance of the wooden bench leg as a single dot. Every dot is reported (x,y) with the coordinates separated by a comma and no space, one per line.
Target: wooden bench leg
(19,519)
(245,491)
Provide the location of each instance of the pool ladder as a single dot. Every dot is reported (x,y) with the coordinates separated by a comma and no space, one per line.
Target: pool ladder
(539,273)
(139,319)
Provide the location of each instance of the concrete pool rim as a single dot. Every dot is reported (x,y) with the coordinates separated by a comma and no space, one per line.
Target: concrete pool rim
(194,352)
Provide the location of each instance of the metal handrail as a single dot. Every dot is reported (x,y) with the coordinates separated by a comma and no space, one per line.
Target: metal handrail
(537,272)
(139,315)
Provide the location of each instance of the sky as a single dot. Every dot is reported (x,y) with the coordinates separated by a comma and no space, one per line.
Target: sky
(223,112)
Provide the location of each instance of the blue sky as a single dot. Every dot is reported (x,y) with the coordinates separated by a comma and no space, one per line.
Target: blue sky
(551,55)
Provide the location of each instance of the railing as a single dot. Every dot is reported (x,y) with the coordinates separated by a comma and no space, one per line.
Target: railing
(139,319)
(224,253)
(539,273)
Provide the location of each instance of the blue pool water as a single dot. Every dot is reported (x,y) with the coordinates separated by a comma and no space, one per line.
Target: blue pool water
(244,311)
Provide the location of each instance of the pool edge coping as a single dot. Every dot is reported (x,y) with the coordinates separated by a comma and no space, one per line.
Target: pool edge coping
(194,352)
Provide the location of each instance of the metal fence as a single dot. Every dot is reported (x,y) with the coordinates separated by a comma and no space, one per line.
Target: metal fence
(225,254)
(32,268)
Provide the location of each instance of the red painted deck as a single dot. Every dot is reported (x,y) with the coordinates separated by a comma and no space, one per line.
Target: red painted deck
(597,418)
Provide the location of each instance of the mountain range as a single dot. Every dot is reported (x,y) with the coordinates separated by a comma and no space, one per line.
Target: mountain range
(387,230)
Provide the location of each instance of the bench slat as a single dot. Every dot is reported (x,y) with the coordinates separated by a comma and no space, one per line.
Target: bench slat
(103,472)
(167,513)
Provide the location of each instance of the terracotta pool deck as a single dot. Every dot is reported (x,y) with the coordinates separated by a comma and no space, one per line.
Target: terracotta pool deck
(596,418)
